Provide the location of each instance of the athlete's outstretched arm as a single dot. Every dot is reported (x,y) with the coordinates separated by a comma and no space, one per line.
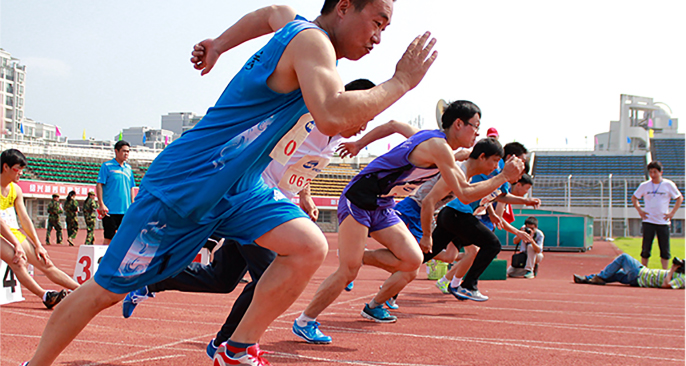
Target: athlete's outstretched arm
(313,60)
(258,23)
(436,152)
(352,148)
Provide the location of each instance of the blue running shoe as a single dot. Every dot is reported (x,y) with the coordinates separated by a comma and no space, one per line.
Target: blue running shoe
(350,286)
(462,293)
(311,333)
(211,349)
(378,314)
(391,304)
(134,298)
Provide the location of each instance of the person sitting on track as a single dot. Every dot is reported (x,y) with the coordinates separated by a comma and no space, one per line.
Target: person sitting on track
(20,247)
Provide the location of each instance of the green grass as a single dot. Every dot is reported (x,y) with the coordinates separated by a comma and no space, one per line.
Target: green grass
(632,247)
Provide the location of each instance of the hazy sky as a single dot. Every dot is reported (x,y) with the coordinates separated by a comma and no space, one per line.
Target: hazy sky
(550,71)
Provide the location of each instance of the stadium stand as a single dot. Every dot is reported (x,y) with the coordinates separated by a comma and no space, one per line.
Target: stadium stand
(72,170)
(619,165)
(669,152)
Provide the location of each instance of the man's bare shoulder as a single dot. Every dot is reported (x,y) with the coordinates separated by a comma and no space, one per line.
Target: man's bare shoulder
(312,41)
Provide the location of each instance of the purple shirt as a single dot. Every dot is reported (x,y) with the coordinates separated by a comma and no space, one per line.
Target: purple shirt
(390,175)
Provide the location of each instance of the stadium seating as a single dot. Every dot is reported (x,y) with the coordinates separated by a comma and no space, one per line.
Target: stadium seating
(669,152)
(71,170)
(583,165)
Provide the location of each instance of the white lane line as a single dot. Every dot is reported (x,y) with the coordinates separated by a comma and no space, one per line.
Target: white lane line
(153,359)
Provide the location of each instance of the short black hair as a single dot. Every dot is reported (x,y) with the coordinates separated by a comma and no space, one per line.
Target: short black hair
(462,109)
(515,148)
(329,5)
(531,221)
(655,165)
(488,146)
(12,157)
(525,179)
(359,84)
(120,144)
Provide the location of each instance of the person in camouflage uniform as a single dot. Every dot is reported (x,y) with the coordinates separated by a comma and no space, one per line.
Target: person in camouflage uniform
(71,210)
(89,214)
(54,212)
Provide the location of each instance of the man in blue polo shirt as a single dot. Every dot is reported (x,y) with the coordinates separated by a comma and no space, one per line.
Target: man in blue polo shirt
(115,189)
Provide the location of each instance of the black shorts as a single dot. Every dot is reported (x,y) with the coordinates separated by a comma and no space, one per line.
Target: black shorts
(111,224)
(649,232)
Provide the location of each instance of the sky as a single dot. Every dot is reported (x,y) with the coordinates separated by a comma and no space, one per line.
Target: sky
(548,74)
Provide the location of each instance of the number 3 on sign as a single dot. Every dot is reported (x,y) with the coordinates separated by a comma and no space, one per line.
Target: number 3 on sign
(86,263)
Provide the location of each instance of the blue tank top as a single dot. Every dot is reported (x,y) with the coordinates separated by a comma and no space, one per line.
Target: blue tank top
(390,175)
(223,156)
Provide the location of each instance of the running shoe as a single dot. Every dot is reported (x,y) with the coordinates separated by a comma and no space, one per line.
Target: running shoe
(134,298)
(378,314)
(311,333)
(581,279)
(596,280)
(529,274)
(443,286)
(462,293)
(53,298)
(391,303)
(211,349)
(350,286)
(252,357)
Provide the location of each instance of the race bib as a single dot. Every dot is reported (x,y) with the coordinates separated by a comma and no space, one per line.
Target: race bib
(292,140)
(300,174)
(9,215)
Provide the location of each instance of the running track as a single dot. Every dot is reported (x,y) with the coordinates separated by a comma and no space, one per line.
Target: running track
(545,321)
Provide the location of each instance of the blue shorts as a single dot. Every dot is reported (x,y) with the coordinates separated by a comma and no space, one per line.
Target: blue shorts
(154,242)
(409,211)
(375,220)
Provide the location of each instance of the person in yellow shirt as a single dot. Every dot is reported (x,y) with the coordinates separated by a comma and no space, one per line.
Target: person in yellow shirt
(24,247)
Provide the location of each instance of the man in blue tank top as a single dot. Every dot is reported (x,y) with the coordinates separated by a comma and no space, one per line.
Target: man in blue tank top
(366,208)
(209,180)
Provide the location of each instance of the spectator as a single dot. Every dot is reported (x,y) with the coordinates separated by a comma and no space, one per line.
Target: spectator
(492,132)
(71,211)
(533,250)
(54,212)
(115,189)
(89,213)
(656,194)
(627,270)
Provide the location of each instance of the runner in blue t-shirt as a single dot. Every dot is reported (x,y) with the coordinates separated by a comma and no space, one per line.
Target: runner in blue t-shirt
(209,180)
(366,208)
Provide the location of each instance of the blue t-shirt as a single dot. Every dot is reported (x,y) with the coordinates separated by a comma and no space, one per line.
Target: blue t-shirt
(476,205)
(117,181)
(203,174)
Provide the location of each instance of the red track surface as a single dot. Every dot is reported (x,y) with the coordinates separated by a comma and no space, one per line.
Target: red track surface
(545,321)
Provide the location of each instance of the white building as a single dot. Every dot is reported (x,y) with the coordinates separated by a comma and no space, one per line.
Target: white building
(146,136)
(12,90)
(179,122)
(640,119)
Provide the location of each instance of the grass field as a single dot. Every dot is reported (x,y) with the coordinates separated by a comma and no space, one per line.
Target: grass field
(632,247)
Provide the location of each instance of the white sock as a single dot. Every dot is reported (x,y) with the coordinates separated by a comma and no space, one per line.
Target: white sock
(455,282)
(443,280)
(303,319)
